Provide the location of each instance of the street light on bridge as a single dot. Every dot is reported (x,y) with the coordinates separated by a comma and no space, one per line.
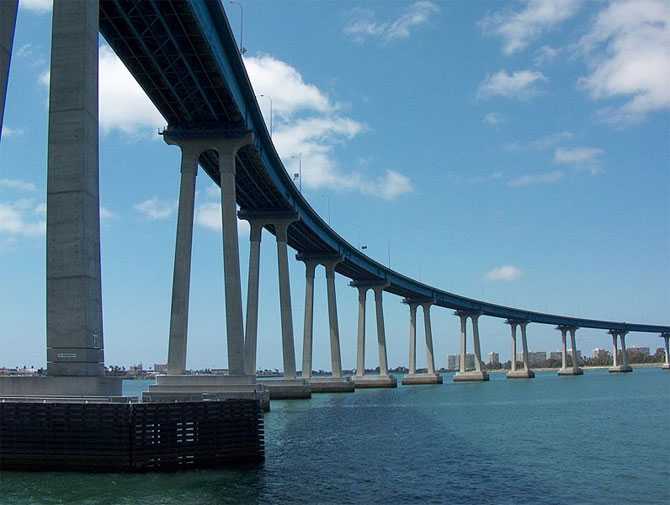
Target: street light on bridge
(269,98)
(242,48)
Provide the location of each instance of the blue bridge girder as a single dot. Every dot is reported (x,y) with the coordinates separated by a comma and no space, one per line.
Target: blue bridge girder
(184,56)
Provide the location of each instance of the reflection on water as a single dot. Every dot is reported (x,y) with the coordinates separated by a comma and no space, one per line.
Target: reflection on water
(595,439)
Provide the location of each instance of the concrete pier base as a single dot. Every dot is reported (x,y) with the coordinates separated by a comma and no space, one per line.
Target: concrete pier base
(375,381)
(571,371)
(666,367)
(620,369)
(178,388)
(61,386)
(521,374)
(471,376)
(331,385)
(421,378)
(287,389)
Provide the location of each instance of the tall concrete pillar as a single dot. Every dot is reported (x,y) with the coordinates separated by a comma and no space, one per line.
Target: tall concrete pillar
(74,301)
(564,349)
(412,337)
(381,332)
(513,362)
(227,151)
(666,337)
(308,327)
(475,338)
(251,327)
(360,338)
(288,349)
(615,349)
(428,329)
(624,352)
(524,345)
(335,357)
(8,10)
(575,365)
(181,277)
(464,340)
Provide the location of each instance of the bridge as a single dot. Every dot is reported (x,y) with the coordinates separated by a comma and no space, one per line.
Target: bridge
(184,56)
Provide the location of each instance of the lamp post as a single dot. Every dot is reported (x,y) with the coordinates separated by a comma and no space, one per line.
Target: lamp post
(269,98)
(299,174)
(242,48)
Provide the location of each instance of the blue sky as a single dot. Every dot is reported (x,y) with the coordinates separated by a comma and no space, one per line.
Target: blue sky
(512,152)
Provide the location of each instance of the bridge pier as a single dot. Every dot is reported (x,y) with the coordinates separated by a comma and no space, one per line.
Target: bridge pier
(574,369)
(334,383)
(383,379)
(288,387)
(617,367)
(478,374)
(175,386)
(8,10)
(666,338)
(525,372)
(75,345)
(430,377)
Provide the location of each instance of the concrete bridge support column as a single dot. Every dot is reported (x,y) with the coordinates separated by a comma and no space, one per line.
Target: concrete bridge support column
(430,377)
(412,338)
(289,387)
(615,349)
(75,348)
(464,341)
(238,383)
(181,277)
(360,338)
(381,331)
(8,10)
(666,338)
(383,379)
(428,329)
(525,372)
(288,346)
(335,356)
(334,383)
(513,362)
(622,367)
(574,369)
(251,326)
(478,374)
(308,327)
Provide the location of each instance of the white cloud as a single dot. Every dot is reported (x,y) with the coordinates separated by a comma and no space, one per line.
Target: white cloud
(22,218)
(628,52)
(106,214)
(545,54)
(518,28)
(38,6)
(493,119)
(123,104)
(17,184)
(289,92)
(581,157)
(8,132)
(521,84)
(529,179)
(208,216)
(364,24)
(504,273)
(155,208)
(308,126)
(541,143)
